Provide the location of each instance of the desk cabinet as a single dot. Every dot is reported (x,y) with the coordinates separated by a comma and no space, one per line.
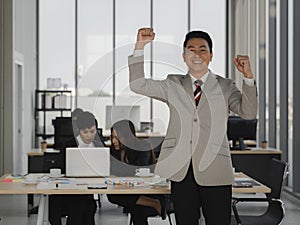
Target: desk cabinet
(54,160)
(255,163)
(43,162)
(35,163)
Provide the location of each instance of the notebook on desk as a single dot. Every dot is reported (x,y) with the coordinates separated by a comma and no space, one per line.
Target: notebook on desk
(244,183)
(87,162)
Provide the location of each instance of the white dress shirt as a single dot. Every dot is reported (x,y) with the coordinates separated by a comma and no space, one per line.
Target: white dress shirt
(82,144)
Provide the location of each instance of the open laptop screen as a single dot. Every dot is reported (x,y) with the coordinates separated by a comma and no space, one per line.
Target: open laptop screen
(87,162)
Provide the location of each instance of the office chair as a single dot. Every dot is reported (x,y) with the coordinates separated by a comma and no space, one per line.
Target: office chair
(275,211)
(169,209)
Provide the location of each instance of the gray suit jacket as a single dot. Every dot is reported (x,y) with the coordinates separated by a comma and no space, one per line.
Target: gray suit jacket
(195,133)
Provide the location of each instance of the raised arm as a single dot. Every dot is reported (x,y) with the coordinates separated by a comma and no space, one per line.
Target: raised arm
(245,103)
(144,36)
(138,83)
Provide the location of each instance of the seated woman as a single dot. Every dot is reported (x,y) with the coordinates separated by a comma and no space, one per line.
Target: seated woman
(131,150)
(80,209)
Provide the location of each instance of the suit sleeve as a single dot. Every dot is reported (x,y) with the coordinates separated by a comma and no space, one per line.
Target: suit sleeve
(139,84)
(244,104)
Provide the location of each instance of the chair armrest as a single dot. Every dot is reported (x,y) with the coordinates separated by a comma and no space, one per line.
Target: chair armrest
(251,199)
(235,201)
(255,199)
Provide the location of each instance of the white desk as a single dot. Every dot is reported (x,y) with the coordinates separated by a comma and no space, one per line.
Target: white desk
(21,188)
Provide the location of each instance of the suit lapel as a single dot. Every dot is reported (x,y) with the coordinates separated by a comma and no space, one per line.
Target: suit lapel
(208,89)
(187,84)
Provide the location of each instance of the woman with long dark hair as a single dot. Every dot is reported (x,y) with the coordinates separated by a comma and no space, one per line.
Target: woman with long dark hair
(129,149)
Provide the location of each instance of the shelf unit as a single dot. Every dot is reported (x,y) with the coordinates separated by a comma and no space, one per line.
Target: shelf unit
(55,102)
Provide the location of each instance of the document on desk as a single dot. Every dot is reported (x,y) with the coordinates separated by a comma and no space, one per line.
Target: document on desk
(124,181)
(137,181)
(244,182)
(58,183)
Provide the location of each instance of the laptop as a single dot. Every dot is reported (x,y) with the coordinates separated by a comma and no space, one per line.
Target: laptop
(87,162)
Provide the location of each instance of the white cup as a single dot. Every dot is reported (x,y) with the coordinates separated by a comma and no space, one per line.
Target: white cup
(31,179)
(55,172)
(142,171)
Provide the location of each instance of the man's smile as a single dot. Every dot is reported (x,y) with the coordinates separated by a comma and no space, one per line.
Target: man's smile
(197,61)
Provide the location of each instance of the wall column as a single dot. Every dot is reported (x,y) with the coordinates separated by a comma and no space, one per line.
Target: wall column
(6,88)
(296,97)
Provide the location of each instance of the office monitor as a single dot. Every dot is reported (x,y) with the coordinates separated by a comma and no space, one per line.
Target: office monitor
(238,130)
(120,112)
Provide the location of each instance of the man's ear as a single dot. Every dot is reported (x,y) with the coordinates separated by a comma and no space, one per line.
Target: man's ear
(211,56)
(183,56)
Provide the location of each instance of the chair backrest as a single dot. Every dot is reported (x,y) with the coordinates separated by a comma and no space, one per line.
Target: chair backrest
(277,175)
(63,131)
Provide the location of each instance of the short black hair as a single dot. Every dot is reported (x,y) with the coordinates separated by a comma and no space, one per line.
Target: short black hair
(76,112)
(198,34)
(85,120)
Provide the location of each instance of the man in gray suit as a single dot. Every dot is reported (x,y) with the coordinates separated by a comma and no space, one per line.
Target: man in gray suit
(195,153)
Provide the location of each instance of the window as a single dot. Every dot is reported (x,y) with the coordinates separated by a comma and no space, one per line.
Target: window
(103,38)
(56,44)
(95,57)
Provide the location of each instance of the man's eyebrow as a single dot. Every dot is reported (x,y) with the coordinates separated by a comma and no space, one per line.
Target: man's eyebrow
(192,46)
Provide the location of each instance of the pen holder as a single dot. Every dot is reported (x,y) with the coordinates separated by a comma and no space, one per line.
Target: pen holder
(264,144)
(43,146)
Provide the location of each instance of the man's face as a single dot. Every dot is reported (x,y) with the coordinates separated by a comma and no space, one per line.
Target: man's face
(197,55)
(88,134)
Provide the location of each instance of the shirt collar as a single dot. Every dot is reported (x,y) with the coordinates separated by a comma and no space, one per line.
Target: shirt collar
(82,144)
(203,78)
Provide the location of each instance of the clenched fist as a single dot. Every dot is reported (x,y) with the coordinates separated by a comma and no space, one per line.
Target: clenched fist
(144,36)
(242,63)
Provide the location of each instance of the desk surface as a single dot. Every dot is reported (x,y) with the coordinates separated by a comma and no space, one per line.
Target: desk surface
(233,152)
(39,152)
(21,188)
(254,189)
(256,151)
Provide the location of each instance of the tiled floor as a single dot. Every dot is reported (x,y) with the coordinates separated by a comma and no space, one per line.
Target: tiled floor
(13,212)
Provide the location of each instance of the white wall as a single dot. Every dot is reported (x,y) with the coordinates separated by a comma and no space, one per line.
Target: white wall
(25,51)
(17,45)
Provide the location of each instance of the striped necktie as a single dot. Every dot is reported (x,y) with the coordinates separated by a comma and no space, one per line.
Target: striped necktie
(198,91)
